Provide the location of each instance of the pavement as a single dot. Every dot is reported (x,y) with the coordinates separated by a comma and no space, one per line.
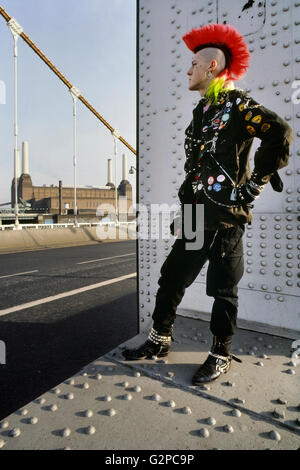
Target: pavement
(116,404)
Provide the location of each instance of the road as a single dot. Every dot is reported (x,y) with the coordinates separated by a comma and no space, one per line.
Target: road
(59,310)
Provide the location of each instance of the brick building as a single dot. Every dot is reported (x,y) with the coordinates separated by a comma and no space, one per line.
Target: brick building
(58,200)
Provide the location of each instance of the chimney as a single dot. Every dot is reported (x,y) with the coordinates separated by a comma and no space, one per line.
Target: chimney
(124,167)
(25,168)
(109,171)
(60,197)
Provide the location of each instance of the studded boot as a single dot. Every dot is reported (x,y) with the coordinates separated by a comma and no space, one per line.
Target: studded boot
(218,362)
(156,345)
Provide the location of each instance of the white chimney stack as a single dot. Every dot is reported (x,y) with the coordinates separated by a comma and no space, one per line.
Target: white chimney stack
(25,167)
(109,170)
(124,167)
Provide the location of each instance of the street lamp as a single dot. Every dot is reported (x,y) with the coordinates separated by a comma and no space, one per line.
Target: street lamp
(75,93)
(16,30)
(116,136)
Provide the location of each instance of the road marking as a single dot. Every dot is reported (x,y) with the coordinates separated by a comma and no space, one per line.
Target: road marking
(19,274)
(102,259)
(69,293)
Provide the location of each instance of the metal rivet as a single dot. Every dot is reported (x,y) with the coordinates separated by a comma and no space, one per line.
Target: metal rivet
(229,384)
(228,428)
(204,432)
(282,401)
(240,400)
(69,396)
(53,407)
(106,398)
(90,430)
(278,413)
(41,401)
(155,397)
(65,432)
(127,396)
(186,410)
(32,420)
(15,432)
(236,413)
(171,403)
(211,420)
(274,435)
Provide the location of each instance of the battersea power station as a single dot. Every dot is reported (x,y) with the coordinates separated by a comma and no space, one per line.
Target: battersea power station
(55,203)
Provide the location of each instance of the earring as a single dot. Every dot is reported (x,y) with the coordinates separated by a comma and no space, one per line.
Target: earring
(209,74)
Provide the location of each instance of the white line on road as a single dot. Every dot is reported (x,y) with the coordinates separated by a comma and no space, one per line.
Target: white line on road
(19,274)
(34,303)
(102,259)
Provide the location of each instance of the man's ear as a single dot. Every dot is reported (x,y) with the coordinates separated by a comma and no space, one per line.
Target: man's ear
(213,64)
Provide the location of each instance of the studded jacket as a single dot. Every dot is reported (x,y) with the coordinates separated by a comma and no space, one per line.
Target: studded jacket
(217,146)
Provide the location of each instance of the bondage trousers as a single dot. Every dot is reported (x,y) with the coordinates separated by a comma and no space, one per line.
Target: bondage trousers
(223,249)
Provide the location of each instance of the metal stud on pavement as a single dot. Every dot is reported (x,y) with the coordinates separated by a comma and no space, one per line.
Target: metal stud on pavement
(211,420)
(15,432)
(228,428)
(274,435)
(204,432)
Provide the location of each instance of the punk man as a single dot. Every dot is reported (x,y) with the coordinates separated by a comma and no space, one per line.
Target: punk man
(217,143)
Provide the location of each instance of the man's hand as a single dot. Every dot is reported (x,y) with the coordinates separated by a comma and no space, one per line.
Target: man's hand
(247,193)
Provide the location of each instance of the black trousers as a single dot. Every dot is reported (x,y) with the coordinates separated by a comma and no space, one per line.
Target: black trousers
(224,251)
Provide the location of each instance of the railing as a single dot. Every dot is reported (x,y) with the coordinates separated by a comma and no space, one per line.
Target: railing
(66,225)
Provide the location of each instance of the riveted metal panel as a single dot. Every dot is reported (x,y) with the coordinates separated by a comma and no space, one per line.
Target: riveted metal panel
(247,16)
(115,405)
(270,286)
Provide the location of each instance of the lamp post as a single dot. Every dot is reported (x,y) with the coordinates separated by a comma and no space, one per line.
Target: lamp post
(116,136)
(75,93)
(16,30)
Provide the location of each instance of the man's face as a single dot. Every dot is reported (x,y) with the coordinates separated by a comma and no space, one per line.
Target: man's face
(197,72)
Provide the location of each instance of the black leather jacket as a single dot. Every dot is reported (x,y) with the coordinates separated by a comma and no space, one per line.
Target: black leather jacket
(217,146)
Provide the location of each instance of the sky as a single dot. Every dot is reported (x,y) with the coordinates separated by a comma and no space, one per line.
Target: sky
(93,44)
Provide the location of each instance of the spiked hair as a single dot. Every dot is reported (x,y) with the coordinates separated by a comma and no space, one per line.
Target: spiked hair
(226,38)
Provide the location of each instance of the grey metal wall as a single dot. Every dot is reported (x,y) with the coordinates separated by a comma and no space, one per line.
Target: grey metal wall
(269,289)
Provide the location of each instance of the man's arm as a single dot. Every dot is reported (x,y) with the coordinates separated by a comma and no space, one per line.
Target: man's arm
(255,120)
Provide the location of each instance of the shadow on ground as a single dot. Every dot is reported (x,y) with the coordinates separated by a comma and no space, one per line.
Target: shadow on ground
(42,355)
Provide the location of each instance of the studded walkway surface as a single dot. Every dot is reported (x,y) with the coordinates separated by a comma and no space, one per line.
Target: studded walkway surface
(117,405)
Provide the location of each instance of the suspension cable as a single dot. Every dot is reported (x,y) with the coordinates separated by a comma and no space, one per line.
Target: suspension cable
(65,81)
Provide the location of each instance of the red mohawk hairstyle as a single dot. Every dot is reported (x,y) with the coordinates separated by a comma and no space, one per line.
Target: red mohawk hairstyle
(226,38)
